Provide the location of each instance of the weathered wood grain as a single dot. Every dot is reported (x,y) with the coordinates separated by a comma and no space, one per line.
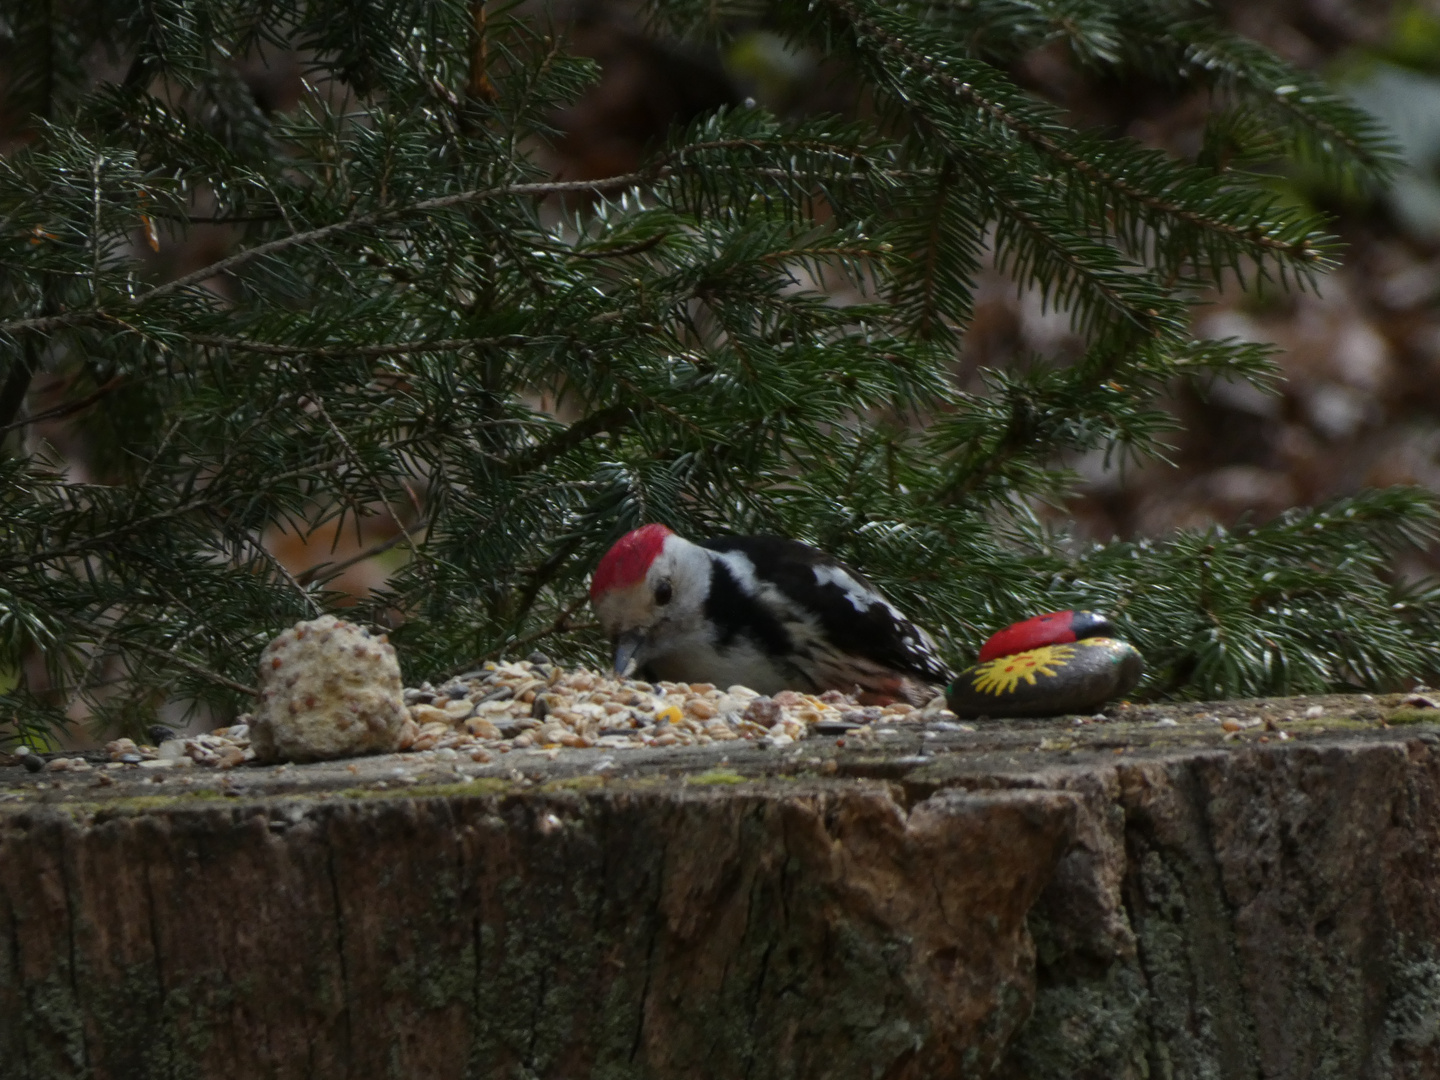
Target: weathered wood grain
(1029,901)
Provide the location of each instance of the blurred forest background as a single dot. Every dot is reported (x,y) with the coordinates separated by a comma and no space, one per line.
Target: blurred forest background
(1359,406)
(1360,403)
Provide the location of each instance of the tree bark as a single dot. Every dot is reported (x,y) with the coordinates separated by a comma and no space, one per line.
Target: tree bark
(1033,900)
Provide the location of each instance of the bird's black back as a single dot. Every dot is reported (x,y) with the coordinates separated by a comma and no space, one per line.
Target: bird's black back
(875,633)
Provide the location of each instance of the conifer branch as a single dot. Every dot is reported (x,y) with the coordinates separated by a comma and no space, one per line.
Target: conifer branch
(539,362)
(369,221)
(1031,133)
(932,246)
(208,497)
(69,408)
(391,348)
(279,569)
(534,189)
(165,657)
(330,570)
(563,624)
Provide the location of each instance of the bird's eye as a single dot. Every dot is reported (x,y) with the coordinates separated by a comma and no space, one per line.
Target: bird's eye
(663,593)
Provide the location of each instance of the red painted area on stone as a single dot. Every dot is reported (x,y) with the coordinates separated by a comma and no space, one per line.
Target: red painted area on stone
(626,562)
(1054,628)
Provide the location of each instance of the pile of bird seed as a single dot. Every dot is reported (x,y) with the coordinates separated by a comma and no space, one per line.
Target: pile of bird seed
(535,704)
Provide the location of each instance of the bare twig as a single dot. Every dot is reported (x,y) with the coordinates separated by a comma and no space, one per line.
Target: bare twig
(329,569)
(660,170)
(385,349)
(82,681)
(68,407)
(610,419)
(189,665)
(276,565)
(360,464)
(168,656)
(365,221)
(17,381)
(195,502)
(618,252)
(561,625)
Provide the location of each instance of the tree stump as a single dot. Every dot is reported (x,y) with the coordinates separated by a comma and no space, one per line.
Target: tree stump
(1126,898)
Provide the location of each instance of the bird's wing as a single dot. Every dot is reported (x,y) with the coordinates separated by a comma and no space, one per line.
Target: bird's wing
(852,614)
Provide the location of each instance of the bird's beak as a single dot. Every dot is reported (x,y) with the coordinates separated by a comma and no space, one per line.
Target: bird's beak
(626,646)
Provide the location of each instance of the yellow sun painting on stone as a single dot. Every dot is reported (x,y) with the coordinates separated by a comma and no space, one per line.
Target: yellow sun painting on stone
(1002,675)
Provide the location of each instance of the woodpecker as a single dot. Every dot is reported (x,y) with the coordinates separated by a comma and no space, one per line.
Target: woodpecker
(761,611)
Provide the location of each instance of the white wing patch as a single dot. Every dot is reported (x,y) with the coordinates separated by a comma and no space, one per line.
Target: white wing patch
(741,569)
(914,640)
(861,598)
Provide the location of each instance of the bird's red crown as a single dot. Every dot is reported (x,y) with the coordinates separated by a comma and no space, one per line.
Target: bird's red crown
(629,560)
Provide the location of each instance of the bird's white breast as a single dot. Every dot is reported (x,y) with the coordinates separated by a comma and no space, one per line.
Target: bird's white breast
(693,656)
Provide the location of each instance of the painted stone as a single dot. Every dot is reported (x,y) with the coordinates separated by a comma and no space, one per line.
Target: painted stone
(1055,628)
(1051,680)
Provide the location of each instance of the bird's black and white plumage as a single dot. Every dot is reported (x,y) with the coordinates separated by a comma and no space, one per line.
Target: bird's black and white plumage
(759,611)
